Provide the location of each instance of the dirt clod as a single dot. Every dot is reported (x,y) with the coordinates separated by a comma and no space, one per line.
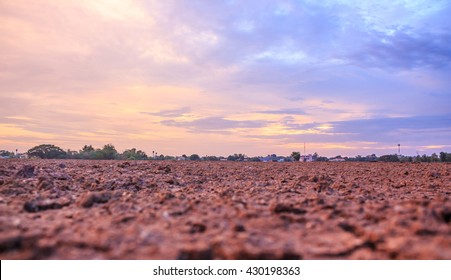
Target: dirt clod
(27,171)
(90,199)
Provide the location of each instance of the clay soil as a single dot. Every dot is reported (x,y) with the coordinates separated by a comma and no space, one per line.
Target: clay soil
(62,209)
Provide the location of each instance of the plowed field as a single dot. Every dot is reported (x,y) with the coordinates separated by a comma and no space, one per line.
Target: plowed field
(62,209)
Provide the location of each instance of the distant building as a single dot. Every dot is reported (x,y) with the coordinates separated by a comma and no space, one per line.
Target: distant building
(272,158)
(337,159)
(307,158)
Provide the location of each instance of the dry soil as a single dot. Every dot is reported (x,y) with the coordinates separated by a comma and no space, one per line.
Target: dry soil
(63,209)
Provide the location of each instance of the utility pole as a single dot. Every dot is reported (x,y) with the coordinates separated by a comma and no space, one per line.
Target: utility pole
(399,149)
(304,148)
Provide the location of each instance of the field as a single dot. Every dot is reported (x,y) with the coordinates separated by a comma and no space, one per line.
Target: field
(62,209)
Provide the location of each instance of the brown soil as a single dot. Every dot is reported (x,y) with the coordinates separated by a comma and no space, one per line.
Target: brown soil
(64,209)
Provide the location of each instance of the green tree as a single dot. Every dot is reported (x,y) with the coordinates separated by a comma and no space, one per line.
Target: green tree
(389,158)
(236,157)
(194,157)
(47,151)
(87,152)
(434,157)
(4,153)
(131,154)
(108,152)
(87,148)
(210,158)
(296,156)
(425,158)
(169,158)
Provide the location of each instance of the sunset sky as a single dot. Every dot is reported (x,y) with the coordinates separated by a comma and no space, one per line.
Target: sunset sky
(223,77)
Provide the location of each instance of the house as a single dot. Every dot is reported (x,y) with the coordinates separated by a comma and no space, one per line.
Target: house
(272,158)
(306,158)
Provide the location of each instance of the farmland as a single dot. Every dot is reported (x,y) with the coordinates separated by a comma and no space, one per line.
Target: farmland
(83,209)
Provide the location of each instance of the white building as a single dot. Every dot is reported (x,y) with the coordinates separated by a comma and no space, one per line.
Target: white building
(306,158)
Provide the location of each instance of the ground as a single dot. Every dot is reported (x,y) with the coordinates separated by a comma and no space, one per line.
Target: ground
(80,209)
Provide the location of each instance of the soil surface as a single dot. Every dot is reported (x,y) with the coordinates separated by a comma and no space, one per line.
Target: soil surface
(63,209)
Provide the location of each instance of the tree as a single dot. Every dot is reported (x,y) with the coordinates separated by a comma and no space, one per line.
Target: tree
(194,157)
(131,154)
(389,158)
(425,158)
(108,152)
(296,156)
(72,154)
(231,158)
(4,153)
(322,159)
(210,158)
(434,157)
(88,152)
(47,151)
(169,158)
(87,148)
(236,157)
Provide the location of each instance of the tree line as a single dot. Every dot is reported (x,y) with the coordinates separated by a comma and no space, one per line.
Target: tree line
(48,151)
(109,152)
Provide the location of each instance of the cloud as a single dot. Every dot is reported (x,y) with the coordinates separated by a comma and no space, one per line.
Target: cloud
(170,113)
(215,124)
(404,50)
(420,129)
(289,111)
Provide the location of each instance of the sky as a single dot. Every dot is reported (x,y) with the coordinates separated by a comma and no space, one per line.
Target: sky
(222,77)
